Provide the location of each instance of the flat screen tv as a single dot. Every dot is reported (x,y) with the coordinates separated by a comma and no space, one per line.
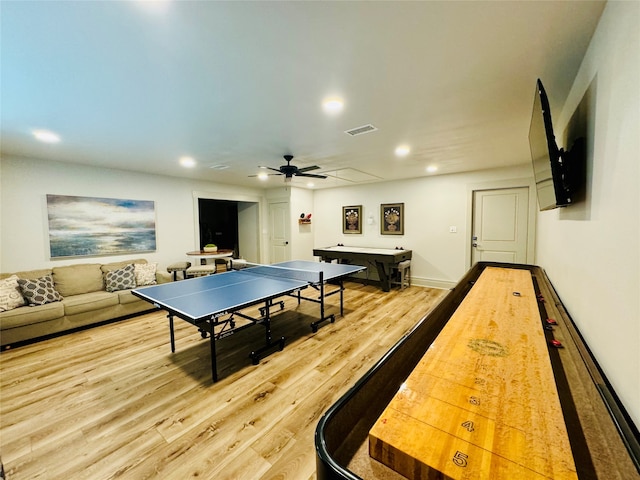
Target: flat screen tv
(551,167)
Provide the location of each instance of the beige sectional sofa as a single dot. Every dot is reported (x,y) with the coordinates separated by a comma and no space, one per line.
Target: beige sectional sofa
(85,300)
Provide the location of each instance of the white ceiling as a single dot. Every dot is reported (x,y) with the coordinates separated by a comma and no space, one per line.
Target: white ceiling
(135,85)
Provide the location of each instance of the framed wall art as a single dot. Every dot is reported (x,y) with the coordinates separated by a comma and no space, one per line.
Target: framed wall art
(352,219)
(392,219)
(92,226)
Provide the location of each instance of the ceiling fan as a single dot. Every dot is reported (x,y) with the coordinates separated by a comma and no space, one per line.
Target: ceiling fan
(289,171)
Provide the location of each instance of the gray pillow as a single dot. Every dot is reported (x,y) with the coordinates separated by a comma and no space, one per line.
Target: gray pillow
(120,279)
(39,291)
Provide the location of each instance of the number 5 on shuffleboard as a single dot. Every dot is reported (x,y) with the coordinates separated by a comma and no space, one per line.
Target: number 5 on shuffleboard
(460,459)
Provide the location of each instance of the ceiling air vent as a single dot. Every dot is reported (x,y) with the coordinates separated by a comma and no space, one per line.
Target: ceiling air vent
(361,130)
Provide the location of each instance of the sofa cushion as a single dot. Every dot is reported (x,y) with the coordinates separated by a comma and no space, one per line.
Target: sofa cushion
(19,317)
(87,302)
(121,279)
(39,291)
(108,267)
(76,279)
(125,296)
(145,273)
(10,294)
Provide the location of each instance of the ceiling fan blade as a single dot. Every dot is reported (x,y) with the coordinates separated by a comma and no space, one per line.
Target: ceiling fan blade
(307,169)
(270,168)
(274,174)
(313,175)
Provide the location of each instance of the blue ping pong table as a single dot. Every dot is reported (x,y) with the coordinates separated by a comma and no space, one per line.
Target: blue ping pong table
(215,300)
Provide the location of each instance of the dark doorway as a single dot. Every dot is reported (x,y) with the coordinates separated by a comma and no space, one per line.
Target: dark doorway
(219,224)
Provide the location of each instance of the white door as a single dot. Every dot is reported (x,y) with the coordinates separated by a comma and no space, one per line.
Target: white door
(500,223)
(279,231)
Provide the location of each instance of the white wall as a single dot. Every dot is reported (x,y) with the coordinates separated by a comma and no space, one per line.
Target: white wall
(431,205)
(24,230)
(591,251)
(302,201)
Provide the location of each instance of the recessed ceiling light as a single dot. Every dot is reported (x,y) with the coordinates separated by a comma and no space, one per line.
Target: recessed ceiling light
(187,162)
(263,176)
(46,136)
(333,105)
(402,151)
(432,168)
(310,184)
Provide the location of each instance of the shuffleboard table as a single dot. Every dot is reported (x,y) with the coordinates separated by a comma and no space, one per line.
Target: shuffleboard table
(602,442)
(384,260)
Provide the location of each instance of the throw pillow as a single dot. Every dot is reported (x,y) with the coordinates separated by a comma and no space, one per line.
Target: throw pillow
(120,279)
(10,294)
(145,273)
(39,291)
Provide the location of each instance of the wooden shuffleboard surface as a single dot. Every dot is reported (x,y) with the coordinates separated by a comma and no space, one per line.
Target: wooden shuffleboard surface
(482,403)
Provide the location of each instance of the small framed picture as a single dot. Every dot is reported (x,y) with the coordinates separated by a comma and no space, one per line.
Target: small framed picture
(392,219)
(352,219)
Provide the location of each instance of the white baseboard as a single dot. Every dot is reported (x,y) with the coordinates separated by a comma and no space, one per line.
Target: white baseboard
(432,283)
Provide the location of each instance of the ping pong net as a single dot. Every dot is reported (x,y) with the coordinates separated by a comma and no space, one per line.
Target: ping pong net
(274,271)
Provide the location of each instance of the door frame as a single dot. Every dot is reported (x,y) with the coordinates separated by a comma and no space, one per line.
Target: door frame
(228,196)
(528,183)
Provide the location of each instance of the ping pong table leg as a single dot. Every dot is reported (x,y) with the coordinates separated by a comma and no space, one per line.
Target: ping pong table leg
(269,344)
(321,298)
(173,338)
(331,318)
(214,362)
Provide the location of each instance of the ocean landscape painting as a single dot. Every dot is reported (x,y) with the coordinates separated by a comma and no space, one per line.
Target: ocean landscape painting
(90,226)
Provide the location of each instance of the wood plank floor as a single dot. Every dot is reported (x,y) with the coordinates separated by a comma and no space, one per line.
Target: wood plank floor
(113,402)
